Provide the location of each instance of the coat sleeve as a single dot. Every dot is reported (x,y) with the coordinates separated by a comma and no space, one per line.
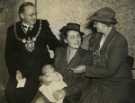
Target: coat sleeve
(52,41)
(58,57)
(10,53)
(108,64)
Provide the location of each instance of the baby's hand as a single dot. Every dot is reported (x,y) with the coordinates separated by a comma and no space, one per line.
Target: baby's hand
(59,94)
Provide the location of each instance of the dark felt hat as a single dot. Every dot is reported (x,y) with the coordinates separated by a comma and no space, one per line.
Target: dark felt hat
(105,15)
(71,26)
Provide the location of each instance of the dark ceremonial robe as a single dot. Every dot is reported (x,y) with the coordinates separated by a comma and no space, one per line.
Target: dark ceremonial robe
(29,63)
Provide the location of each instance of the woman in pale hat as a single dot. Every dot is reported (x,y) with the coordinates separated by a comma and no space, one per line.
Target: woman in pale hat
(109,71)
(70,57)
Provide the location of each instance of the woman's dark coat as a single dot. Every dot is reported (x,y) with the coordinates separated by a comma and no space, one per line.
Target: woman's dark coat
(76,82)
(109,72)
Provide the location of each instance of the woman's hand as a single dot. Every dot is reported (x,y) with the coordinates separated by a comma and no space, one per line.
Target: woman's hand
(79,69)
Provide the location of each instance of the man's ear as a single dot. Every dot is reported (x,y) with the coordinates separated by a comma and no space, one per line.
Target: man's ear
(21,16)
(65,40)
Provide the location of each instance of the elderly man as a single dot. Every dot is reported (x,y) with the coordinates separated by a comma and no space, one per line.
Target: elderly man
(109,72)
(27,45)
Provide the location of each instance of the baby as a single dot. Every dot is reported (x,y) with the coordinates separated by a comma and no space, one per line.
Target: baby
(52,85)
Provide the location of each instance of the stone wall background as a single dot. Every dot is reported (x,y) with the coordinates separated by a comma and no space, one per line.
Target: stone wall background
(58,13)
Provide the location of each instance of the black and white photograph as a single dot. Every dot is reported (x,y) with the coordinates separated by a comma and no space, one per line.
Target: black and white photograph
(67,51)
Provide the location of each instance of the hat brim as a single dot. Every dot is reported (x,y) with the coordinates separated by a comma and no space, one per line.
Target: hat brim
(67,29)
(81,33)
(103,19)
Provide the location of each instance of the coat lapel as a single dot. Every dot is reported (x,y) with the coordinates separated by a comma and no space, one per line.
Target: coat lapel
(75,59)
(108,40)
(20,31)
(35,28)
(64,59)
(23,34)
(94,41)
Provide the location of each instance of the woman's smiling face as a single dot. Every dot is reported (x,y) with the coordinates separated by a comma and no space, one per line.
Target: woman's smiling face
(73,39)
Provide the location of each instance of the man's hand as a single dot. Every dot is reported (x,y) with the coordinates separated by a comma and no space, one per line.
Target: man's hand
(19,75)
(79,69)
(51,52)
(21,81)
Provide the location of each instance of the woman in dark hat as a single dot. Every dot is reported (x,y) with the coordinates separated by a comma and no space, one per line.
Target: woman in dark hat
(109,71)
(69,58)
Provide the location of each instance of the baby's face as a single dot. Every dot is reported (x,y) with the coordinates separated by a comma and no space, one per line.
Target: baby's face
(48,70)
